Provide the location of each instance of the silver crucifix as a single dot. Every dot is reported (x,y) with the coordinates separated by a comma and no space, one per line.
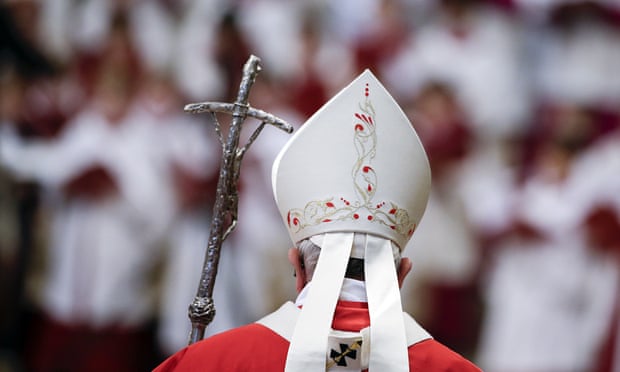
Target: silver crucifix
(202,309)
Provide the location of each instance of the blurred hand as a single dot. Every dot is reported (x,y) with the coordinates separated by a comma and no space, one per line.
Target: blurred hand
(525,231)
(94,183)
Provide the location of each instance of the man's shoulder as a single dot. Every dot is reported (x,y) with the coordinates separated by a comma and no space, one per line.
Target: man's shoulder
(249,332)
(431,355)
(231,349)
(248,337)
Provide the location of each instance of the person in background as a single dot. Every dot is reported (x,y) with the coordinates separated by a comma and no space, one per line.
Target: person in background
(109,209)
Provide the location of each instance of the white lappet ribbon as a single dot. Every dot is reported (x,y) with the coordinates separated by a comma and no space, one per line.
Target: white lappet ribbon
(307,349)
(388,341)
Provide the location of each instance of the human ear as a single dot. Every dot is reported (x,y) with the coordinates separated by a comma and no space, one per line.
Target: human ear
(403,269)
(300,273)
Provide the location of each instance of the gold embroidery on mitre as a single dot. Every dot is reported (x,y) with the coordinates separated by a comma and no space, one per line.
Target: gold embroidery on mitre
(365,182)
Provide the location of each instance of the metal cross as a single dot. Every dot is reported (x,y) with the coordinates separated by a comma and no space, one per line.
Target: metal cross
(202,310)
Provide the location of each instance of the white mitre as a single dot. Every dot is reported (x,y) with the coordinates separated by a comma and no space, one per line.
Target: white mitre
(356,165)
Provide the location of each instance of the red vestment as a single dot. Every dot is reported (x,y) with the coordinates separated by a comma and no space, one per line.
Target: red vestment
(255,347)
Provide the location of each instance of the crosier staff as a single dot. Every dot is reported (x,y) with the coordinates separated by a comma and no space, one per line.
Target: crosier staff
(202,310)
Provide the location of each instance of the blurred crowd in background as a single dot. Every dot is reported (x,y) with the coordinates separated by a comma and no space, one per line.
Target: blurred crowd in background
(106,185)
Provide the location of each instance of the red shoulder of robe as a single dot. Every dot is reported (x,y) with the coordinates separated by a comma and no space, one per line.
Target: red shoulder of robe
(257,348)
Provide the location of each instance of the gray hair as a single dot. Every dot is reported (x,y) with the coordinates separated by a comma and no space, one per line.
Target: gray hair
(309,256)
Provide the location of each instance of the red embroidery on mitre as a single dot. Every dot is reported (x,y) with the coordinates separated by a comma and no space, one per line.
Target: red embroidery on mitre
(324,211)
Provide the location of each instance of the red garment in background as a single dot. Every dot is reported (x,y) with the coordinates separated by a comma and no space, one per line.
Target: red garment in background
(78,348)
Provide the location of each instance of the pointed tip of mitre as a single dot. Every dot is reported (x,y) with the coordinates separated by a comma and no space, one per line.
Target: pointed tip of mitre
(356,165)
